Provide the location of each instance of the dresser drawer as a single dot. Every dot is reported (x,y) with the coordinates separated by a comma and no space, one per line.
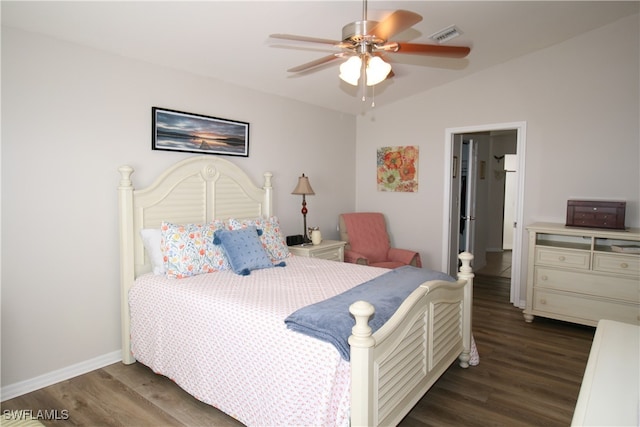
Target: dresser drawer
(581,309)
(614,263)
(621,288)
(563,258)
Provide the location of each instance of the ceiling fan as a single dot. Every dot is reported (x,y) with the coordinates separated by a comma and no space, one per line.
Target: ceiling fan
(365,44)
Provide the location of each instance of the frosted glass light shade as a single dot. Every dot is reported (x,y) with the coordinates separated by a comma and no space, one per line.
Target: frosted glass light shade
(377,70)
(350,70)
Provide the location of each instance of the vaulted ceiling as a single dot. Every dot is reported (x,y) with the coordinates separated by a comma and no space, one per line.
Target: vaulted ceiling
(229,40)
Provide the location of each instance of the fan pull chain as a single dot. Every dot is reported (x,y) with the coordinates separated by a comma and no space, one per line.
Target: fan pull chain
(373,95)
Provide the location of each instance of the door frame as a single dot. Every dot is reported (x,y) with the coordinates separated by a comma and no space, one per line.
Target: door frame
(521,129)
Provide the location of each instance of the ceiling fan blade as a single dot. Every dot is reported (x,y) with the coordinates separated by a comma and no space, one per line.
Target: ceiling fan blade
(304,39)
(427,49)
(315,63)
(395,23)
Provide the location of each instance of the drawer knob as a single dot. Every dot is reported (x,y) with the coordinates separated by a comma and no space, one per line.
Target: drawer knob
(624,265)
(544,277)
(543,301)
(561,258)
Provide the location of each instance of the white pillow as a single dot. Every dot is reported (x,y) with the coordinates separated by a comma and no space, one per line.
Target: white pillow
(151,239)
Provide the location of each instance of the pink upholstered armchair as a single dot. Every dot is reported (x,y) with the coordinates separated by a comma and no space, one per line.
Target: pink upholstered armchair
(368,242)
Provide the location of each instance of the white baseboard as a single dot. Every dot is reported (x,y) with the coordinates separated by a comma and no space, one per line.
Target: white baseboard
(27,386)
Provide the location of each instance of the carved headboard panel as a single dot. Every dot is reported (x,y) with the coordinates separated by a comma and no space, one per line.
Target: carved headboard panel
(195,190)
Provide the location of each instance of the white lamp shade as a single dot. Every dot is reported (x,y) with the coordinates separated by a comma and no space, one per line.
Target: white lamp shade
(350,70)
(377,70)
(303,187)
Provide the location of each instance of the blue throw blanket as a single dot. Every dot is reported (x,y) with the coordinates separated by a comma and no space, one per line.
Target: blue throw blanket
(330,320)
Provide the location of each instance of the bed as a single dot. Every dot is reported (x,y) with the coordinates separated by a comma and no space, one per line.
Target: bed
(221,336)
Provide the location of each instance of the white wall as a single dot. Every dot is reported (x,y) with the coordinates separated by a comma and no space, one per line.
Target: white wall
(501,145)
(70,117)
(580,100)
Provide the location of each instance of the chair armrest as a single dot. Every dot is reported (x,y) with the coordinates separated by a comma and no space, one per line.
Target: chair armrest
(355,257)
(405,256)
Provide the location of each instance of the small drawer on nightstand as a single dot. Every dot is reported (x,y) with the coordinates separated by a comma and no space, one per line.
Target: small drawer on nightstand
(332,250)
(332,254)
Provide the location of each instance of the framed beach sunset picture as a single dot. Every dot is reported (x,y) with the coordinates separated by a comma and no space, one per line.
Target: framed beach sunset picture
(397,169)
(195,133)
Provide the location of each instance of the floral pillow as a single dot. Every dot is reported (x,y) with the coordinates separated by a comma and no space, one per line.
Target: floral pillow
(188,249)
(272,239)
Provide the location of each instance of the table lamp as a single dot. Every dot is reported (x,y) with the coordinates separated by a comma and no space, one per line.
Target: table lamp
(304,188)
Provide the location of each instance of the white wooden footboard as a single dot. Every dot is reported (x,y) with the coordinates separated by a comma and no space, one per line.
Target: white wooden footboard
(393,368)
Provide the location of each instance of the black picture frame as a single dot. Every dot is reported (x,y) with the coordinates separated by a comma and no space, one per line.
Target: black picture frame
(174,130)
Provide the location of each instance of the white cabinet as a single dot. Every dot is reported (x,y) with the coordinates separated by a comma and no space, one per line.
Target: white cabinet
(610,390)
(332,250)
(577,274)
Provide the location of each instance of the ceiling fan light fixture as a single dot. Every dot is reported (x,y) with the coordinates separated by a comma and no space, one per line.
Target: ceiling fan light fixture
(377,70)
(350,70)
(365,42)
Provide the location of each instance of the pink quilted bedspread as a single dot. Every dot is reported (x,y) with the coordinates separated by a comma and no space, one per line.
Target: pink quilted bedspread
(222,338)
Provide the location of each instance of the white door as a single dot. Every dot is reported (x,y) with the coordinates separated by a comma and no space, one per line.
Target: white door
(454,208)
(462,201)
(468,194)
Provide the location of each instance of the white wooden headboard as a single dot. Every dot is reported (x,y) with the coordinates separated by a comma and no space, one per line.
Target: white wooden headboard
(196,190)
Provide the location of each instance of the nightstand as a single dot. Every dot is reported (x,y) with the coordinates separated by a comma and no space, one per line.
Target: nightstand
(332,250)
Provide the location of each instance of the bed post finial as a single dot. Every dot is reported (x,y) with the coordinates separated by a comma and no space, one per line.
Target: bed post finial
(125,176)
(267,179)
(361,331)
(465,259)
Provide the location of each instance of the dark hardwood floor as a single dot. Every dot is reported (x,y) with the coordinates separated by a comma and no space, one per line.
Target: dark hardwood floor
(529,375)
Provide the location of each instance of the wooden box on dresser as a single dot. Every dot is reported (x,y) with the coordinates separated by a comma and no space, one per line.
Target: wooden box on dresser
(578,274)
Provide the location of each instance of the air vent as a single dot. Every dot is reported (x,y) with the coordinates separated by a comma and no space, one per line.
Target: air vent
(445,35)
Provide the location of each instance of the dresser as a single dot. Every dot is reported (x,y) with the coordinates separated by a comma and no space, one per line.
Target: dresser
(328,249)
(583,275)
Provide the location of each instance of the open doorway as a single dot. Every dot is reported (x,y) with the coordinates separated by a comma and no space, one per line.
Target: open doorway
(484,189)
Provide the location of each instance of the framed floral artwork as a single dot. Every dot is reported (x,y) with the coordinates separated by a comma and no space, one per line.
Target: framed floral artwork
(398,169)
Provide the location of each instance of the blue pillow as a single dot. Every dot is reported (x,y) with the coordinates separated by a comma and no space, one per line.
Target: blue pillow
(243,249)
